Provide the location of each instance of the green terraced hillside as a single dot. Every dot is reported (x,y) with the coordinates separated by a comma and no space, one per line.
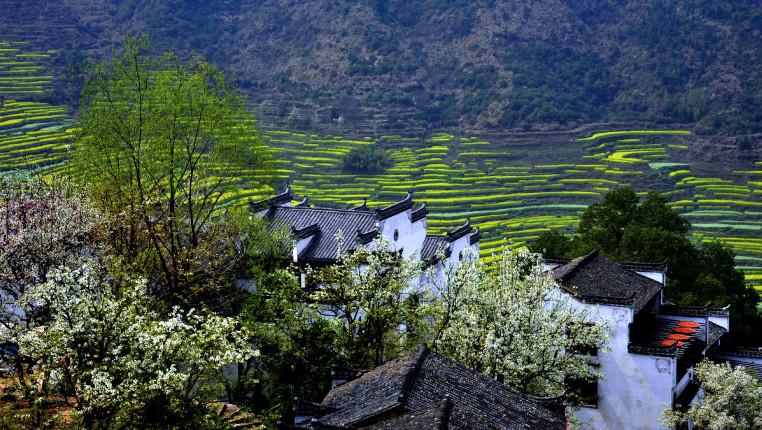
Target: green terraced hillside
(513,188)
(33,134)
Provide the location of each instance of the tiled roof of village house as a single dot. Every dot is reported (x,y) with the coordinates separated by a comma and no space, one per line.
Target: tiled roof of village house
(755,368)
(431,245)
(419,213)
(666,337)
(596,279)
(694,311)
(634,266)
(358,225)
(355,226)
(476,236)
(742,352)
(458,232)
(645,267)
(436,416)
(715,333)
(425,390)
(396,208)
(739,356)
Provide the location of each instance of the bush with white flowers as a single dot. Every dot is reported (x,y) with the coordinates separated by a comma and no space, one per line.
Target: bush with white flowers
(509,321)
(108,345)
(732,399)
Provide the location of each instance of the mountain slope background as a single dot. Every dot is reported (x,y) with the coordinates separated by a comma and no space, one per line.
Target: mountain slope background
(469,66)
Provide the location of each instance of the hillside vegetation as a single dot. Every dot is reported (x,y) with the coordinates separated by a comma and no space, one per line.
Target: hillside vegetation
(513,187)
(472,65)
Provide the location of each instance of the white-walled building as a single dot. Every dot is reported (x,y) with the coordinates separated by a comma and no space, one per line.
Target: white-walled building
(403,224)
(653,345)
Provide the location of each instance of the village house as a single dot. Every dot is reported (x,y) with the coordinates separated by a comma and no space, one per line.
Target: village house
(654,345)
(425,390)
(318,231)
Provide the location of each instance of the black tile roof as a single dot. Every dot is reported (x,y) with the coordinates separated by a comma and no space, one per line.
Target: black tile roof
(355,226)
(742,356)
(596,279)
(278,199)
(458,232)
(419,213)
(742,352)
(755,368)
(476,236)
(425,390)
(556,260)
(715,333)
(646,267)
(646,337)
(694,311)
(436,416)
(399,207)
(431,245)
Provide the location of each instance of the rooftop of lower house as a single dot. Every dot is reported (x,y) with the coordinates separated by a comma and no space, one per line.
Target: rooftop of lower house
(425,390)
(634,266)
(750,358)
(596,279)
(669,337)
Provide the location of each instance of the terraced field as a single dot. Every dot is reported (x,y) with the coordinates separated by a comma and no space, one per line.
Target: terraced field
(33,134)
(514,188)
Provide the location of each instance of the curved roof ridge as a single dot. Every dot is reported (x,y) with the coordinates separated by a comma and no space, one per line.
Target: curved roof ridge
(396,208)
(458,232)
(565,270)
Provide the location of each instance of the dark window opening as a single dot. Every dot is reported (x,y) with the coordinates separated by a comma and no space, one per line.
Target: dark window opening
(583,391)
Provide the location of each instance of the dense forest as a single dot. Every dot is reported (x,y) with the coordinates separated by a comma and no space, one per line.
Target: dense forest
(468,65)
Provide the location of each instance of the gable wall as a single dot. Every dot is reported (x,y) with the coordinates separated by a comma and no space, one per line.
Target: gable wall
(635,388)
(411,235)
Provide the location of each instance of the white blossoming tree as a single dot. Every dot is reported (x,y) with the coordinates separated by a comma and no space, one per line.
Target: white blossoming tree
(109,347)
(42,226)
(509,321)
(732,400)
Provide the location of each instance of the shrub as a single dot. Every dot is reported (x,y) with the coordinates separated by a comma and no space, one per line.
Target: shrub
(367,159)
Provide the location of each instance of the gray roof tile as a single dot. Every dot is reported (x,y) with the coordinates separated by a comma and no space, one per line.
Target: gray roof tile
(596,279)
(329,222)
(409,393)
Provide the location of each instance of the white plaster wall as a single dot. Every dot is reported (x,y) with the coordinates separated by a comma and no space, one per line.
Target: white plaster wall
(659,277)
(411,235)
(458,248)
(301,244)
(634,390)
(723,322)
(475,247)
(434,278)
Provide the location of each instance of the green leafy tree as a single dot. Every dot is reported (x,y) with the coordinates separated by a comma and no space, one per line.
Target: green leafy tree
(160,143)
(367,159)
(732,400)
(626,228)
(551,243)
(373,303)
(297,347)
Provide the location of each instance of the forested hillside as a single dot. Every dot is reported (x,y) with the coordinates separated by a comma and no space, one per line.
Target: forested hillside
(470,65)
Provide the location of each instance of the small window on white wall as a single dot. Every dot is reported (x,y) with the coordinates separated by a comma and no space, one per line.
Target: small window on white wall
(396,235)
(460,256)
